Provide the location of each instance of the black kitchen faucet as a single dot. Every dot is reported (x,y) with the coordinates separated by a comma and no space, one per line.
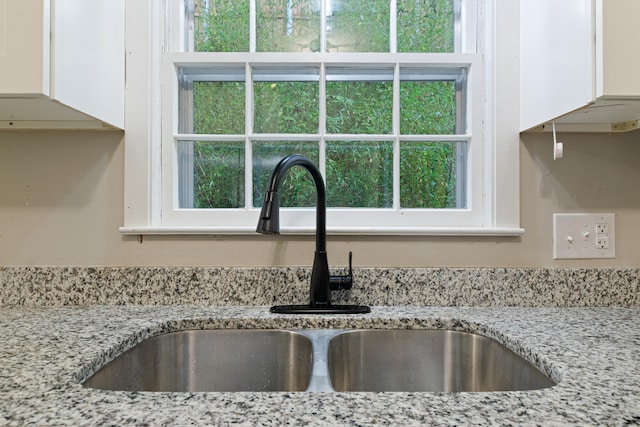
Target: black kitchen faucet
(322,282)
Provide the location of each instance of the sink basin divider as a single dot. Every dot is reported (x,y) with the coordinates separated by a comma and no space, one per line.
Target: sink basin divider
(320,338)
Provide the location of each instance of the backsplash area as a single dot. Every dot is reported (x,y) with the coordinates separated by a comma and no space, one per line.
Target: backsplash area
(480,287)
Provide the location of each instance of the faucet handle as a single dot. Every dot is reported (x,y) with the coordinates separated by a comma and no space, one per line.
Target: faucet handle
(338,283)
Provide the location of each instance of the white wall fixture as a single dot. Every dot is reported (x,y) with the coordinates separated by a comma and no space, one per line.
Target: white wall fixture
(584,236)
(558,147)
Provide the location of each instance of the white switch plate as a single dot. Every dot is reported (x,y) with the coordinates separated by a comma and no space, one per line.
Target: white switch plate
(584,236)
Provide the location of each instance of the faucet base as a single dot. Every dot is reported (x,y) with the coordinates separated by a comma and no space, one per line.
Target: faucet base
(307,309)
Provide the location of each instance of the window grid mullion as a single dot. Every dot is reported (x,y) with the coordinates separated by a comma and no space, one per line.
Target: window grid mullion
(462,124)
(323,26)
(248,148)
(322,118)
(458,27)
(396,134)
(252,26)
(393,27)
(322,146)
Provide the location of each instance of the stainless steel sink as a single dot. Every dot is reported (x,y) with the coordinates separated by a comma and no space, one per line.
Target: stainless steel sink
(427,360)
(320,360)
(212,360)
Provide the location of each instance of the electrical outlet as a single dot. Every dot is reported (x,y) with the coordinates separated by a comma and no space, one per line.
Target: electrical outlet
(602,242)
(602,228)
(583,236)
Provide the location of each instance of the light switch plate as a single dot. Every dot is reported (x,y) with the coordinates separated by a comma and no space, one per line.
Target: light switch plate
(584,236)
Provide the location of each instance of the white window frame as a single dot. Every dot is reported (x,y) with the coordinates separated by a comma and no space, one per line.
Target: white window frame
(151,128)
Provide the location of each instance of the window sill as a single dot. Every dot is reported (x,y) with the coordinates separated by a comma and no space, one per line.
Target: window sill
(351,231)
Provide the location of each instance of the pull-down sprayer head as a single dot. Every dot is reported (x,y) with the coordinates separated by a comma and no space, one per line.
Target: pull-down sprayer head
(269,221)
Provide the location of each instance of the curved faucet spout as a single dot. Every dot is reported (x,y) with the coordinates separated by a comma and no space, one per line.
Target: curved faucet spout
(269,216)
(320,291)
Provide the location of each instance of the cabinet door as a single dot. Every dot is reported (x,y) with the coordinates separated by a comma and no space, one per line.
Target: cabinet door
(557,60)
(89,56)
(24,47)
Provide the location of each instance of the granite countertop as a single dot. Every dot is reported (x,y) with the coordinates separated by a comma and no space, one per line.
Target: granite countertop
(591,352)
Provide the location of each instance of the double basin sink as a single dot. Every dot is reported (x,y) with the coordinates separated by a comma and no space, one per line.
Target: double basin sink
(319,360)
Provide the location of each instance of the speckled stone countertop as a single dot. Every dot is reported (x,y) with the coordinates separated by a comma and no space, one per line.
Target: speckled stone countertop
(215,286)
(593,353)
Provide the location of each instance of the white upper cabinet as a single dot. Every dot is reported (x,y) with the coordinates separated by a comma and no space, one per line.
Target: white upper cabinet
(62,64)
(579,65)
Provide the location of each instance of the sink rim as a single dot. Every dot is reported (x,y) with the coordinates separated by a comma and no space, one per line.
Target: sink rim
(535,356)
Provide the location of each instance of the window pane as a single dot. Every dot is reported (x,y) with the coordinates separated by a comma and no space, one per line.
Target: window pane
(427,107)
(286,107)
(360,174)
(288,26)
(218,107)
(218,174)
(429,175)
(359,107)
(221,25)
(298,189)
(426,26)
(358,25)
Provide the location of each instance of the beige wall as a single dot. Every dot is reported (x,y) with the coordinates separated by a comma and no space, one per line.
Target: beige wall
(61,203)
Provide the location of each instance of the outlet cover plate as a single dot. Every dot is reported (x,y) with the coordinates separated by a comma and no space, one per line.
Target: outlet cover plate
(584,236)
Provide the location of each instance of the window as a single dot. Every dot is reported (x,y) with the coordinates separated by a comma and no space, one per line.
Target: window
(388,97)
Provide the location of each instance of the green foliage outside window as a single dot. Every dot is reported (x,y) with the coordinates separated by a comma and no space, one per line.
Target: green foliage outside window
(358,26)
(218,174)
(358,173)
(219,107)
(427,108)
(286,107)
(221,26)
(425,26)
(428,173)
(288,26)
(298,189)
(359,107)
